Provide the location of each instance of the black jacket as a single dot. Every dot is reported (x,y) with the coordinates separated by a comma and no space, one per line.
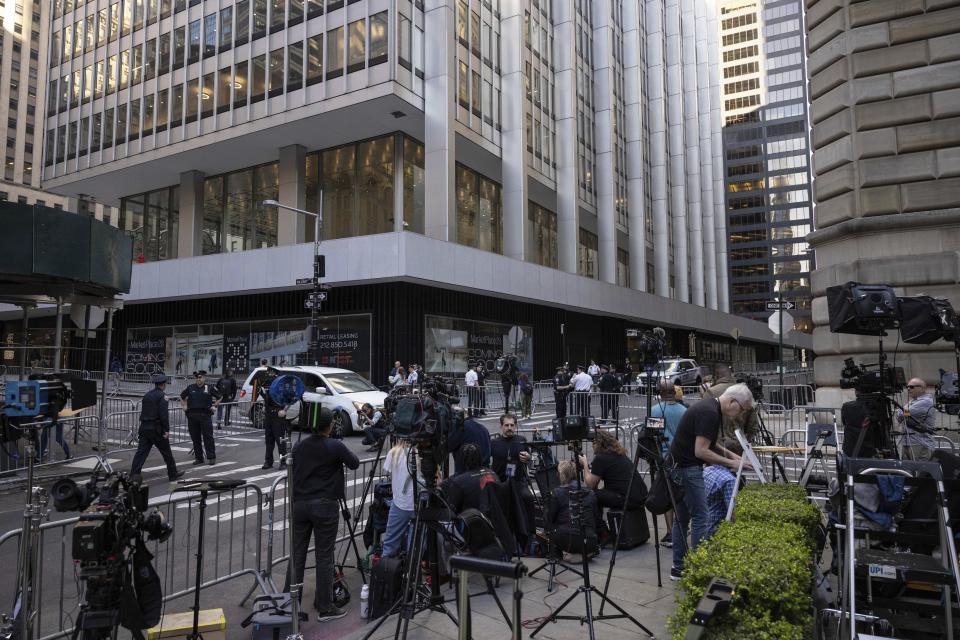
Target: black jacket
(200,398)
(558,511)
(153,411)
(609,383)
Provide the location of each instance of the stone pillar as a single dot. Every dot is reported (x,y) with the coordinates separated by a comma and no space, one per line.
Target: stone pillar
(656,109)
(633,84)
(189,239)
(885,91)
(293,193)
(691,138)
(716,148)
(439,86)
(709,250)
(678,193)
(565,92)
(513,99)
(604,119)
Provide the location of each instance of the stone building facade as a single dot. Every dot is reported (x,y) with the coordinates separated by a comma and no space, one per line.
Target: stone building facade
(885,93)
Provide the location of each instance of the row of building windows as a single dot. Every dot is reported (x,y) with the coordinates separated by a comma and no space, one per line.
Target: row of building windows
(751,84)
(738,21)
(741,69)
(742,118)
(543,234)
(741,102)
(744,169)
(738,37)
(739,54)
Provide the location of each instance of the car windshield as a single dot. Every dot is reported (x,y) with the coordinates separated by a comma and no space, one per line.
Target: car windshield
(348,382)
(670,367)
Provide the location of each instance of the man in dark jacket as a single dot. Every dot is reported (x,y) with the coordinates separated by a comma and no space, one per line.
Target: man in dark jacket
(610,387)
(561,389)
(155,430)
(227,386)
(201,398)
(472,433)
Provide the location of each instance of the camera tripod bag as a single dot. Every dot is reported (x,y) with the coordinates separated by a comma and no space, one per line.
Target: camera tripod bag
(386,581)
(271,618)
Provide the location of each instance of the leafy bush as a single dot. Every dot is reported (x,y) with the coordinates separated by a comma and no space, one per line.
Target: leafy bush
(767,553)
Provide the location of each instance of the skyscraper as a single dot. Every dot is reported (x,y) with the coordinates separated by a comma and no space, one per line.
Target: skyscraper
(527,144)
(769,203)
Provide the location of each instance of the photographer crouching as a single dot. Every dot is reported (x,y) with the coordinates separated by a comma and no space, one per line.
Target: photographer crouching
(694,445)
(318,486)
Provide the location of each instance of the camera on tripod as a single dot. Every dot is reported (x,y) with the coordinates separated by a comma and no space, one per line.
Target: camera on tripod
(753,383)
(650,346)
(948,393)
(574,429)
(507,363)
(41,398)
(864,379)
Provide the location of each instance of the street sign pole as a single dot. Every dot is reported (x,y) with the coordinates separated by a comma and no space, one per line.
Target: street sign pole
(780,316)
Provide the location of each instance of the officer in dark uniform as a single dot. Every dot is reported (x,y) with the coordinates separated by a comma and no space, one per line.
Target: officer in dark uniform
(274,429)
(561,389)
(201,399)
(155,429)
(481,381)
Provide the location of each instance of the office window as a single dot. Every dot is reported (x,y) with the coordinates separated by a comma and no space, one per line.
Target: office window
(587,252)
(179,47)
(242,22)
(259,18)
(64,94)
(259,87)
(84,135)
(54,48)
(61,142)
(404,42)
(378,38)
(333,5)
(108,128)
(543,234)
(479,212)
(276,72)
(176,105)
(87,83)
(124,69)
(240,84)
(127,18)
(414,185)
(164,9)
(163,106)
(194,42)
(314,59)
(314,8)
(209,35)
(358,45)
(224,82)
(136,69)
(77,38)
(95,137)
(120,136)
(137,14)
(192,98)
(463,89)
(234,218)
(150,59)
(164,55)
(114,21)
(226,28)
(90,33)
(134,119)
(207,96)
(74,93)
(334,53)
(295,12)
(475,94)
(277,15)
(295,66)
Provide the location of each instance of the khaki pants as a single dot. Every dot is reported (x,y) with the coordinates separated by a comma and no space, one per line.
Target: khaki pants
(916,452)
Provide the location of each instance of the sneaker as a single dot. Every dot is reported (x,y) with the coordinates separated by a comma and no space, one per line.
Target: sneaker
(330,614)
(676,573)
(219,427)
(177,476)
(666,541)
(196,462)
(283,465)
(212,461)
(267,466)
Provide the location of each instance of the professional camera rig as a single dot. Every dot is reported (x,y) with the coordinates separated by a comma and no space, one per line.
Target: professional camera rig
(122,588)
(871,378)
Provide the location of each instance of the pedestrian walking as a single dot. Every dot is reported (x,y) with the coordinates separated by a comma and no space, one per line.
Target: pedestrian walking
(58,436)
(526,397)
(227,386)
(202,400)
(155,430)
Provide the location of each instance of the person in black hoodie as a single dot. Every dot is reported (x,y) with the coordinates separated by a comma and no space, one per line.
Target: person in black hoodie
(609,387)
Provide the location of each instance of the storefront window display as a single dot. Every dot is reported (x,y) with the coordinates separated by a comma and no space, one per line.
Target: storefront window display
(452,344)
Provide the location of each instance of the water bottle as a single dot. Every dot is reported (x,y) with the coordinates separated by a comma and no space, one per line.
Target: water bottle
(365,602)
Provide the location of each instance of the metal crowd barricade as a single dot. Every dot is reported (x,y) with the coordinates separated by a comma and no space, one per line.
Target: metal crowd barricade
(789,395)
(232,548)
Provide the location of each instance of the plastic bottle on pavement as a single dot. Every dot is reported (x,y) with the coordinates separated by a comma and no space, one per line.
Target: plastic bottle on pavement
(365,602)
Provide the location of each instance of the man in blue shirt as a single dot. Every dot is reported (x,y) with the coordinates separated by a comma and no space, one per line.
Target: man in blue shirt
(718,484)
(670,411)
(475,433)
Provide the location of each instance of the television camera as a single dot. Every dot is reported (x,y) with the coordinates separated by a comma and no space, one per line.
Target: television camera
(753,383)
(426,418)
(122,588)
(650,346)
(40,399)
(867,379)
(948,393)
(508,363)
(574,429)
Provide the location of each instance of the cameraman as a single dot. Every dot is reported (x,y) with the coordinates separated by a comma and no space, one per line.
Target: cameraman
(373,426)
(749,421)
(918,420)
(202,400)
(155,429)
(318,486)
(694,445)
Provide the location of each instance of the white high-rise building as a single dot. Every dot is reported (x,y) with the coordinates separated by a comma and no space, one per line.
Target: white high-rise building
(524,146)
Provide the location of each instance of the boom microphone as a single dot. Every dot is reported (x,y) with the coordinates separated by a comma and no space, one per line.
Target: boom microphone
(659,332)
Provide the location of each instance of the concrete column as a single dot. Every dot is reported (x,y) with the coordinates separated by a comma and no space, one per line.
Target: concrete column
(706,157)
(604,119)
(656,108)
(691,137)
(439,86)
(565,93)
(678,194)
(513,98)
(633,88)
(293,193)
(716,152)
(189,240)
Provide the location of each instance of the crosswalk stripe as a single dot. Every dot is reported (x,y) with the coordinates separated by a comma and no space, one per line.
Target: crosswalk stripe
(163,466)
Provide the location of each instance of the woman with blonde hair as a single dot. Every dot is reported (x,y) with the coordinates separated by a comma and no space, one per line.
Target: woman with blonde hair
(396,463)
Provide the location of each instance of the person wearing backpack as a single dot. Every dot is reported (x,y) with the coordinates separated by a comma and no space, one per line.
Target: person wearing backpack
(526,397)
(227,386)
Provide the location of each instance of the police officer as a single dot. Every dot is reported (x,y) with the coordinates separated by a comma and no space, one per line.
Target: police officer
(561,389)
(201,399)
(155,429)
(274,429)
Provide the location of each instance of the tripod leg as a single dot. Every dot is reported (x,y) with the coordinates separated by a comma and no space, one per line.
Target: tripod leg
(623,614)
(493,592)
(553,616)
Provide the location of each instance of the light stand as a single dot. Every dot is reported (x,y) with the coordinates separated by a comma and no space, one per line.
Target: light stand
(296,586)
(587,589)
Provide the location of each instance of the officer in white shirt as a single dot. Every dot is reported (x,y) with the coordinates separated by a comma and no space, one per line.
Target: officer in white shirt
(593,370)
(473,388)
(582,384)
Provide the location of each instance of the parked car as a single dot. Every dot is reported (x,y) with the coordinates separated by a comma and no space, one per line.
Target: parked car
(341,390)
(683,372)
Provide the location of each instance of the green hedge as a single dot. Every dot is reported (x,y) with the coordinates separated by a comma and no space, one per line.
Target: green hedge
(767,552)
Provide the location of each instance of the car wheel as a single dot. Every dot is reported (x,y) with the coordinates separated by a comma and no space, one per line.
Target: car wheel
(342,425)
(257,416)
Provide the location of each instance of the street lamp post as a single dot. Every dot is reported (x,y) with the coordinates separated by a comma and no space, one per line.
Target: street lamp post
(319,267)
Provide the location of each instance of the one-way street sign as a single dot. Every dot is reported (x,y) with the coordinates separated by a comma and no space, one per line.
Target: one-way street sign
(774,305)
(317,296)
